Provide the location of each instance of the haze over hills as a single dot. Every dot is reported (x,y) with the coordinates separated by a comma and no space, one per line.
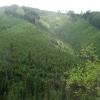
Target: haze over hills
(73,30)
(37,47)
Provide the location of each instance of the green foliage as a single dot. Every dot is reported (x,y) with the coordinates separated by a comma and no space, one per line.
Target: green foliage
(93,18)
(31,15)
(84,79)
(84,82)
(38,55)
(88,54)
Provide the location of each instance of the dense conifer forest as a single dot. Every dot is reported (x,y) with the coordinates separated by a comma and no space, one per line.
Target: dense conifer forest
(48,55)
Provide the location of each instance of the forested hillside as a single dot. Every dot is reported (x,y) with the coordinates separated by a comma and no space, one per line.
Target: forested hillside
(49,55)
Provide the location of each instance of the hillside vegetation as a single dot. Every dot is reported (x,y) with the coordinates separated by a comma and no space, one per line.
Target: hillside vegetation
(48,55)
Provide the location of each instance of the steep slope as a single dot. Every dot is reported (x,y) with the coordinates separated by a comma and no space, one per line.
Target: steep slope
(35,38)
(74,30)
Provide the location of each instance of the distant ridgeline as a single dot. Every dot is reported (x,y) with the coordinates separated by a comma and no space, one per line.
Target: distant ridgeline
(32,15)
(93,18)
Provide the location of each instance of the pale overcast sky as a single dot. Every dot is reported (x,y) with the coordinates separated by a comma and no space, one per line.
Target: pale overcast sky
(54,5)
